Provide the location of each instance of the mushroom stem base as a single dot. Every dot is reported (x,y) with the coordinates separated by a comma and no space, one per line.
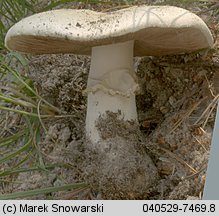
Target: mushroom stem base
(118,167)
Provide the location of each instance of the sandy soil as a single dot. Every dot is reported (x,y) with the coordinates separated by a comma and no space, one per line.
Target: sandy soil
(173,109)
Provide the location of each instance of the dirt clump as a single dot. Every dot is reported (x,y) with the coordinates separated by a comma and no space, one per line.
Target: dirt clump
(180,137)
(62,79)
(118,166)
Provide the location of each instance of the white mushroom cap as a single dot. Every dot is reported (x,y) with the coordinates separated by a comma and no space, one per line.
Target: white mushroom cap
(156,30)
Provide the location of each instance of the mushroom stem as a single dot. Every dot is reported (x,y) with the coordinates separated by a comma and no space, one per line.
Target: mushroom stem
(111,85)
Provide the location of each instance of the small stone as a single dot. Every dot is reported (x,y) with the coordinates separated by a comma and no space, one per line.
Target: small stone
(172,101)
(164,110)
(165,166)
(192,198)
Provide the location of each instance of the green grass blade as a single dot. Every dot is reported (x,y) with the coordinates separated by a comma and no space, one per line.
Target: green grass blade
(16,153)
(36,168)
(11,139)
(24,112)
(61,2)
(16,101)
(36,192)
(18,94)
(30,89)
(19,57)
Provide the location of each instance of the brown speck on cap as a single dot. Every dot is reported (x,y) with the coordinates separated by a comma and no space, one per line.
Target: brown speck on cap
(156,30)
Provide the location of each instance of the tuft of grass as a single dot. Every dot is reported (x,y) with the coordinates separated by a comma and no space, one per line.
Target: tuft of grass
(11,12)
(22,109)
(41,191)
(183,2)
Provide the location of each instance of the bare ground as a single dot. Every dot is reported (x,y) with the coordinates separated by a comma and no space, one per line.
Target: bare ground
(174,109)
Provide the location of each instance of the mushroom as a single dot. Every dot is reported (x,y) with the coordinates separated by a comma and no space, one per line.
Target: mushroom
(112,39)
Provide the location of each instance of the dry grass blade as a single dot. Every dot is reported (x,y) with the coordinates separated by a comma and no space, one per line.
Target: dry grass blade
(212,7)
(115,8)
(74,194)
(200,143)
(179,160)
(186,115)
(208,110)
(203,167)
